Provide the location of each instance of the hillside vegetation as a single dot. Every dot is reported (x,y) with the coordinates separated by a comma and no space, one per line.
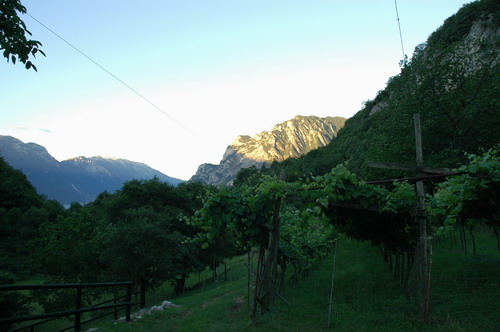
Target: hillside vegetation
(452,81)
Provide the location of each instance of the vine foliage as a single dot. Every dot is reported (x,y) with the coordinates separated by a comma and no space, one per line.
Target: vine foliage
(295,223)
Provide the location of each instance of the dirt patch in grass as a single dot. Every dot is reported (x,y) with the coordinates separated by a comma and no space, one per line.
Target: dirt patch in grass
(238,304)
(205,304)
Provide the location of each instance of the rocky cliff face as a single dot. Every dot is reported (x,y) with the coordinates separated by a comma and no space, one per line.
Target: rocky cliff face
(289,139)
(469,52)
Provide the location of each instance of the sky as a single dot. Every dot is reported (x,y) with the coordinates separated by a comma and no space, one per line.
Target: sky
(172,83)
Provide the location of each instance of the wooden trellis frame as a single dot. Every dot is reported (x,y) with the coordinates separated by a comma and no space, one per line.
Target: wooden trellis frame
(422,173)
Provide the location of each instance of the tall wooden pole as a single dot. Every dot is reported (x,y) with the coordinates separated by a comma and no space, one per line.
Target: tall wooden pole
(422,220)
(267,292)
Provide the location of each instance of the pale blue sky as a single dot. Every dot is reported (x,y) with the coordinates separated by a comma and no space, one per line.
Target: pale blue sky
(220,68)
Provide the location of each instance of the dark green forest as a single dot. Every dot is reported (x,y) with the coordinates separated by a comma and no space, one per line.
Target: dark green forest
(293,211)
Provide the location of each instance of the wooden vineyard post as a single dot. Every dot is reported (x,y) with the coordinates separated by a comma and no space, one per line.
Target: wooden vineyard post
(331,286)
(143,292)
(269,273)
(248,277)
(422,222)
(265,285)
(421,216)
(258,282)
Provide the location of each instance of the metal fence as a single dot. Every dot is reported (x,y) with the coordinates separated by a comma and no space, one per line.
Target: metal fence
(117,303)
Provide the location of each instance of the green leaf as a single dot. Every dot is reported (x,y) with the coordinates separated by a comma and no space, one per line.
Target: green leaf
(323,202)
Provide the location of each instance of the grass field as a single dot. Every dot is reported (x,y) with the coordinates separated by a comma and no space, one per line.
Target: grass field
(464,297)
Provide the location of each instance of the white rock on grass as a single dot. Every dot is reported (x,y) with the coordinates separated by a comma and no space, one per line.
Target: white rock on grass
(148,311)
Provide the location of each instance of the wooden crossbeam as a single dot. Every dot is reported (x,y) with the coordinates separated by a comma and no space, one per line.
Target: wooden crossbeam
(354,206)
(416,169)
(415,178)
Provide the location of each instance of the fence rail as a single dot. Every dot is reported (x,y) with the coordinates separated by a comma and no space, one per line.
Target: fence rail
(79,309)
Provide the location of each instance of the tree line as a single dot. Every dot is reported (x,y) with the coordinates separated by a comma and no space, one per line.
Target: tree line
(137,232)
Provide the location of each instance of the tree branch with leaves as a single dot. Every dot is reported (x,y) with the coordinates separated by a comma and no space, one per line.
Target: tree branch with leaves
(13,31)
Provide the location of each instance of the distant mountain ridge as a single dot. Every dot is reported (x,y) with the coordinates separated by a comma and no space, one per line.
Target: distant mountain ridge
(289,139)
(78,179)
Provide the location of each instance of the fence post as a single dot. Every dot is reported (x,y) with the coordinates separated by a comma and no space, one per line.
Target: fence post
(143,293)
(129,299)
(115,311)
(248,276)
(78,305)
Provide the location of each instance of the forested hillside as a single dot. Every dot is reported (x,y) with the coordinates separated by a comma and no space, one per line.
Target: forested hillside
(452,80)
(22,211)
(137,232)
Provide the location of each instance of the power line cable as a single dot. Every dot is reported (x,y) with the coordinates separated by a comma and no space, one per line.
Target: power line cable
(119,80)
(399,26)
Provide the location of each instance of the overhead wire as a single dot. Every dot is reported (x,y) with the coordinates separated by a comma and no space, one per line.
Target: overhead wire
(399,26)
(119,80)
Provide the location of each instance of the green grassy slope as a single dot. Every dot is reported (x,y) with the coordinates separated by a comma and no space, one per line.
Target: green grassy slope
(464,296)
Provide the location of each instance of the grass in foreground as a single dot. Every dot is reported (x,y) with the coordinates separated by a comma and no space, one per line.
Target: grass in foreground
(464,297)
